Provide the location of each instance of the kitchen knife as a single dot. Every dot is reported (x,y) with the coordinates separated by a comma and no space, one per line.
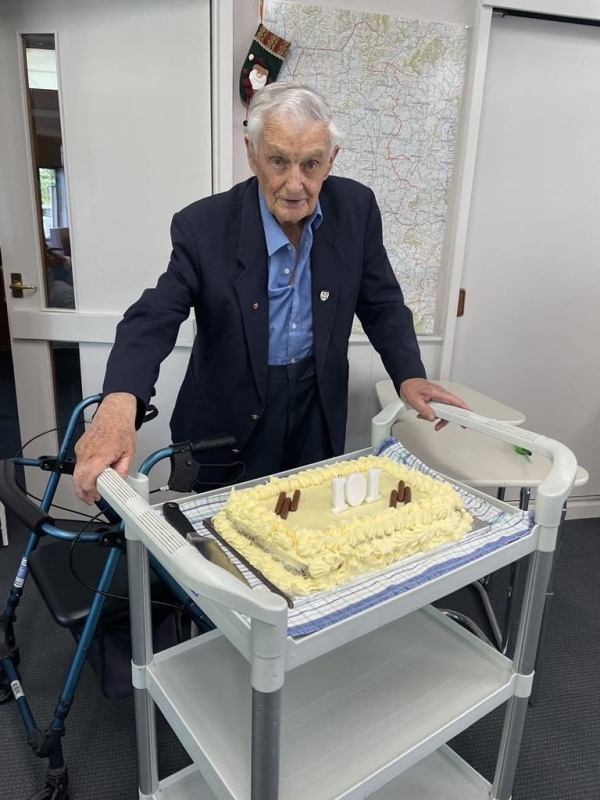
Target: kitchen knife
(207,547)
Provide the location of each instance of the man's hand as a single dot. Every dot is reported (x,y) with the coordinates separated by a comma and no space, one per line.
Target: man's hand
(418,392)
(108,442)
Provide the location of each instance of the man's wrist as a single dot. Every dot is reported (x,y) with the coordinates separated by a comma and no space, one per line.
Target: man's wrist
(123,403)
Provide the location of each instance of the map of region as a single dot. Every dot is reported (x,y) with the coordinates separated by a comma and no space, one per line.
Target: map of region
(395,86)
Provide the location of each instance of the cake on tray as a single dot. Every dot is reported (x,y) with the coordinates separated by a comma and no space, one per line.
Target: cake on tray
(324,526)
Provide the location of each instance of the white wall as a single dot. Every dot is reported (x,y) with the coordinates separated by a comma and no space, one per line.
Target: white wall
(530,332)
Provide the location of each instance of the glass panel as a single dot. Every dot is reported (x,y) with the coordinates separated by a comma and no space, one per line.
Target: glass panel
(67,383)
(47,147)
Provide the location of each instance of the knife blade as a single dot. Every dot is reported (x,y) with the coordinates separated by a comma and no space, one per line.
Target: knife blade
(207,547)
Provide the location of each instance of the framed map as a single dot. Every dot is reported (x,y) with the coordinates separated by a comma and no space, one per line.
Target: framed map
(396,88)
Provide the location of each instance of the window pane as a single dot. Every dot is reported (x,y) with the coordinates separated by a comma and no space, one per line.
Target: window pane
(47,147)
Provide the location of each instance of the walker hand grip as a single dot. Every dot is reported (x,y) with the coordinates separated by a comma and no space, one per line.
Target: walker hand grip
(223,440)
(13,497)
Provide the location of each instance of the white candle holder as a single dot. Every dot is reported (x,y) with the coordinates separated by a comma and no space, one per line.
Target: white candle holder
(373,485)
(338,494)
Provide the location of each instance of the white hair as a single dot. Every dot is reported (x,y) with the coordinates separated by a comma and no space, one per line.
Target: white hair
(291,101)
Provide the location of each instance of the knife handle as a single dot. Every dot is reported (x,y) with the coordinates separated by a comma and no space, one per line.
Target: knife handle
(177,519)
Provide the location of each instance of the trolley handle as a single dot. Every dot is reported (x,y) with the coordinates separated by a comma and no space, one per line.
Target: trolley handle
(12,496)
(555,487)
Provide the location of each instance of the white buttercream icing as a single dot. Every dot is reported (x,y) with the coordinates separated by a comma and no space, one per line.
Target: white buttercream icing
(315,549)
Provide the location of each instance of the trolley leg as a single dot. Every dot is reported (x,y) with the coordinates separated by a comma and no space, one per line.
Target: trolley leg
(512,733)
(539,572)
(266,737)
(504,638)
(516,571)
(141,651)
(549,595)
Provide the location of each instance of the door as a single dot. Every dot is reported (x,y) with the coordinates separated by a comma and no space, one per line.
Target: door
(96,154)
(531,263)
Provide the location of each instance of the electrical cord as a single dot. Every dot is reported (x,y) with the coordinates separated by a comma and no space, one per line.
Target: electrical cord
(180,608)
(56,505)
(44,433)
(19,453)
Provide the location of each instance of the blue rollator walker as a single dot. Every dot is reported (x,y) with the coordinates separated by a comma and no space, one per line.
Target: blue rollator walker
(72,602)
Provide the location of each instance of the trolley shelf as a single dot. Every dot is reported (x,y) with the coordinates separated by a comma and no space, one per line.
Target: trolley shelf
(442,774)
(353,719)
(184,784)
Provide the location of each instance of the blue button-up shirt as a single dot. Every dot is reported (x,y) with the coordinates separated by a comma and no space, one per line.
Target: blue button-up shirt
(290,306)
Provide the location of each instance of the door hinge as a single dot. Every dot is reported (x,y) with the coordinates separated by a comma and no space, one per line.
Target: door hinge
(460,311)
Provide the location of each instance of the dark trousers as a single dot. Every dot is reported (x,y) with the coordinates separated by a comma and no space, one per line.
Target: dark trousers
(291,433)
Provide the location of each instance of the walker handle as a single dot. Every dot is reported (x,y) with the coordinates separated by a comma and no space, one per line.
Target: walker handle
(13,497)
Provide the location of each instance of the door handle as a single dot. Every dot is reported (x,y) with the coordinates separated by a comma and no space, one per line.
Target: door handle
(16,284)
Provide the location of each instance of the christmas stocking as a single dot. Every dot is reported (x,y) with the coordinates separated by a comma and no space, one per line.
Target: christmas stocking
(262,63)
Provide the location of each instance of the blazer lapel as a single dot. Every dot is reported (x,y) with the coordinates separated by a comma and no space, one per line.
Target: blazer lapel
(252,287)
(326,265)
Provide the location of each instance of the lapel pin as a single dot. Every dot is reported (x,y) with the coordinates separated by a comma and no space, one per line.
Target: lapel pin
(324,296)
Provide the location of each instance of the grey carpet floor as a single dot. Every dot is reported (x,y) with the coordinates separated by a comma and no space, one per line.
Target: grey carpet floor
(560,754)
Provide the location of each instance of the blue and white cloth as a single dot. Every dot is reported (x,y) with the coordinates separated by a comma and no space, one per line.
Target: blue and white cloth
(319,610)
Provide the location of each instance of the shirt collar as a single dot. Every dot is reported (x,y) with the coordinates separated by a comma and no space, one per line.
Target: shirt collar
(274,235)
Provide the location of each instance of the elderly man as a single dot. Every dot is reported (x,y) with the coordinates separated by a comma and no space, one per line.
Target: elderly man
(275,270)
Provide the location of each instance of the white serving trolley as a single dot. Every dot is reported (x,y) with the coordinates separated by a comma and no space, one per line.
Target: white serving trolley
(362,708)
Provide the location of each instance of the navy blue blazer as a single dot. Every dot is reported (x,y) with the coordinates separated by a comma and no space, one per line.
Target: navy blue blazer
(218,267)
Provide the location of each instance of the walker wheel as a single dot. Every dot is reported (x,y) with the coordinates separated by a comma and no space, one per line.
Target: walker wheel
(56,787)
(51,793)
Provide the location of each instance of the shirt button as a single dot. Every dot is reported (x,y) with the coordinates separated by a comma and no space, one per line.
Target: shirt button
(294,326)
(255,417)
(292,360)
(286,272)
(289,246)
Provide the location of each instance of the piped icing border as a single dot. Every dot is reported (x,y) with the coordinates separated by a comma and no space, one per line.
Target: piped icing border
(343,550)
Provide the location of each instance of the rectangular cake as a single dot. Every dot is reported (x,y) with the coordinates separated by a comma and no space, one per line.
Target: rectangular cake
(324,526)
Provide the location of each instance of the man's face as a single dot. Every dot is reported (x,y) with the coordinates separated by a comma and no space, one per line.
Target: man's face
(291,165)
